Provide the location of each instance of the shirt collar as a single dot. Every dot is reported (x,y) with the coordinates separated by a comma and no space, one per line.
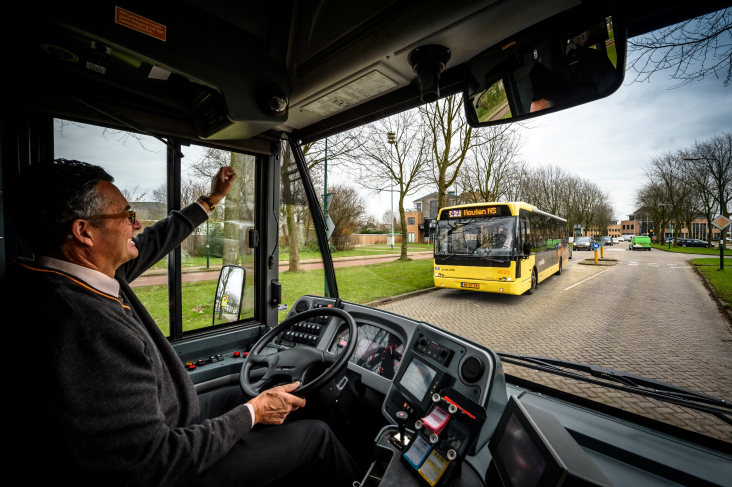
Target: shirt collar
(94,278)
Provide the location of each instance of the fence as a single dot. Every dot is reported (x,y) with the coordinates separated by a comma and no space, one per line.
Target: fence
(374,239)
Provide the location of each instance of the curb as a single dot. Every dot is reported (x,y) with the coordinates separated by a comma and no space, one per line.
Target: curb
(401,297)
(726,312)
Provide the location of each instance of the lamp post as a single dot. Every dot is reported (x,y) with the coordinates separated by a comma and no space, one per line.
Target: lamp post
(720,186)
(391,138)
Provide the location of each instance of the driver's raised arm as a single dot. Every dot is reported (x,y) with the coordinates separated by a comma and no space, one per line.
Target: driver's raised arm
(156,241)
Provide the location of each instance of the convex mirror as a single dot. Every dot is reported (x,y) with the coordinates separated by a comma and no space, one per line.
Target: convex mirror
(229,294)
(572,58)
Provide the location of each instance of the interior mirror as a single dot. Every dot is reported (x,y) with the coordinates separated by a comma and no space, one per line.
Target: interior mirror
(229,294)
(572,58)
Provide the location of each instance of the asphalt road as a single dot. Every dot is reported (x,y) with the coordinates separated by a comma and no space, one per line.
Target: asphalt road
(650,315)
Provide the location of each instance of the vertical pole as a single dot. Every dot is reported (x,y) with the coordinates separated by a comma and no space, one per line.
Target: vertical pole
(325,200)
(595,256)
(602,251)
(392,205)
(721,212)
(206,243)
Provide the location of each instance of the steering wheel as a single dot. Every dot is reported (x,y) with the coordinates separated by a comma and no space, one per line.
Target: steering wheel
(293,364)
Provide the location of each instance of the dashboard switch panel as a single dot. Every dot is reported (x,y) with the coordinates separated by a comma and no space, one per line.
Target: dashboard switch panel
(434,350)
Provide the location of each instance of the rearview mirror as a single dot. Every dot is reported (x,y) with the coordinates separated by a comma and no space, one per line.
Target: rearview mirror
(229,294)
(572,58)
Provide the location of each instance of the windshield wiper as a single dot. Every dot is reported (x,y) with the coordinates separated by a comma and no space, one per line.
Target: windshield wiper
(628,382)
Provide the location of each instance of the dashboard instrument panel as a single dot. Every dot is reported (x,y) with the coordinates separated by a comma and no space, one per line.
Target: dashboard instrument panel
(377,350)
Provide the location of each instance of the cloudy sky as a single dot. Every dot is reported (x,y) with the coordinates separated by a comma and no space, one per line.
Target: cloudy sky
(609,141)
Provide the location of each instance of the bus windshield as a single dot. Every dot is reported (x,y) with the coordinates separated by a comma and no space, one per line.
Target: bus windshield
(477,237)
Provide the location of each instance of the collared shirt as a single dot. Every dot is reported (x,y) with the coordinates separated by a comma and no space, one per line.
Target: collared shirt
(94,278)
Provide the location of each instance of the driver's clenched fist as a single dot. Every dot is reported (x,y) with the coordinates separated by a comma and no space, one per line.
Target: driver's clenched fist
(273,406)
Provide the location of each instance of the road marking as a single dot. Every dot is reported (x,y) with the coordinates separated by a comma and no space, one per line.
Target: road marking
(632,262)
(652,263)
(614,250)
(573,285)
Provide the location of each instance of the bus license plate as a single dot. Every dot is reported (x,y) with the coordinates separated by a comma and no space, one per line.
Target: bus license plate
(470,285)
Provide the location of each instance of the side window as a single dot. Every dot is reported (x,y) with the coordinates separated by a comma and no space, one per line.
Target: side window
(221,241)
(138,164)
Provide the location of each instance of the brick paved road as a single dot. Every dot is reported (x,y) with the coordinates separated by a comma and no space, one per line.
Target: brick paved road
(650,315)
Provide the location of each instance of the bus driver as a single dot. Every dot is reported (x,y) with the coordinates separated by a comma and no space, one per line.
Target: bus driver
(110,402)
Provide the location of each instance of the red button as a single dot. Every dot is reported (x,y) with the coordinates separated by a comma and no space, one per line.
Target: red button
(191,367)
(236,354)
(246,353)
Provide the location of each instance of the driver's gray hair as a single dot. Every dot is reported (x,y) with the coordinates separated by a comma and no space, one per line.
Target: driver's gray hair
(63,191)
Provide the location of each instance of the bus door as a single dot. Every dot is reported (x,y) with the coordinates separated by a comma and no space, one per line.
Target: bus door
(525,262)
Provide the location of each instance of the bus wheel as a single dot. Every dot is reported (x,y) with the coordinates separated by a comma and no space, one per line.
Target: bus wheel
(534,282)
(559,272)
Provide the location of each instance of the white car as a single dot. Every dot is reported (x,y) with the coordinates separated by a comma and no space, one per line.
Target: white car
(621,239)
(618,240)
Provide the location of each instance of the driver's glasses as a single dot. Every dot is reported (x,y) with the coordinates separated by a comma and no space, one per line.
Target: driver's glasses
(130,214)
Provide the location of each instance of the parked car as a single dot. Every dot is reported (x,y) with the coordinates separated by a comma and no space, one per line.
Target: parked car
(620,239)
(691,242)
(640,243)
(628,237)
(606,241)
(616,240)
(583,243)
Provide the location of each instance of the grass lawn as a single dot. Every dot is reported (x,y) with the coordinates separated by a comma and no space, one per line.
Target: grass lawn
(721,282)
(712,261)
(358,284)
(690,250)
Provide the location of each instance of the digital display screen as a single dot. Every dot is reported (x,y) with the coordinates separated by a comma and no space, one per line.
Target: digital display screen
(417,378)
(519,455)
(473,212)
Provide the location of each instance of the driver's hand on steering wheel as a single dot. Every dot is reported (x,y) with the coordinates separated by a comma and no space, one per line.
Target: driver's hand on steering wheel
(272,406)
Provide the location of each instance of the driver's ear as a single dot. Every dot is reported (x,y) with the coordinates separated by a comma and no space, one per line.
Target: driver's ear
(83,232)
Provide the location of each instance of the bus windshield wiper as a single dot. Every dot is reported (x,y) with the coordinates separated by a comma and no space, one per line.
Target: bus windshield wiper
(624,381)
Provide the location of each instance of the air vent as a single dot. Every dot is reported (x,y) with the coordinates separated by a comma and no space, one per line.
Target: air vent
(472,369)
(301,306)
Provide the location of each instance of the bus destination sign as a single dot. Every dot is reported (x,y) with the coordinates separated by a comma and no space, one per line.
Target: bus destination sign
(474,212)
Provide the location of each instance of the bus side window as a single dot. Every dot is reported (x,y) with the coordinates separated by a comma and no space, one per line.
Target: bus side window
(525,237)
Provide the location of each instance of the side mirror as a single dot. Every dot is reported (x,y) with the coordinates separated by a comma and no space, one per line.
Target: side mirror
(229,294)
(526,249)
(573,58)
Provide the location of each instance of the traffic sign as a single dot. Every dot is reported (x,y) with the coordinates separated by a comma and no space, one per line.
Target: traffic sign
(329,226)
(722,222)
(595,246)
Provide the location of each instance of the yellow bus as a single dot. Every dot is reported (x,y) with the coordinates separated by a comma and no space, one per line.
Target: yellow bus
(506,248)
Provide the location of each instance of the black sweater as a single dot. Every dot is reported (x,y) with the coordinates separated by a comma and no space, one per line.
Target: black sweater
(108,402)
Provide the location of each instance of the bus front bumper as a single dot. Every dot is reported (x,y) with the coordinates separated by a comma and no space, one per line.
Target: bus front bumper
(499,287)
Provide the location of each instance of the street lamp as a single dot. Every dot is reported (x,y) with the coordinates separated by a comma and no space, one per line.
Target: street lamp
(391,138)
(720,186)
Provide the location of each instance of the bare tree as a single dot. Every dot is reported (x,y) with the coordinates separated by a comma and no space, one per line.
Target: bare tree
(669,171)
(379,164)
(389,218)
(484,175)
(347,210)
(690,50)
(450,140)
